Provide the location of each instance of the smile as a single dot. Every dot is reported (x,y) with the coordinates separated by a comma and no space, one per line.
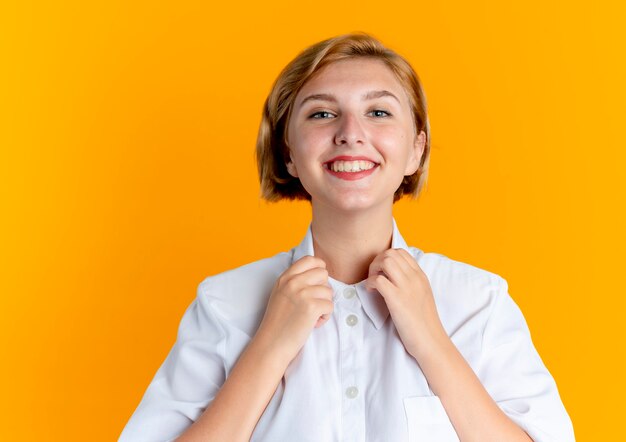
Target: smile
(350,168)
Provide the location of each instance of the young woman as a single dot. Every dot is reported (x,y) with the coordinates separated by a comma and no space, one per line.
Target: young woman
(352,335)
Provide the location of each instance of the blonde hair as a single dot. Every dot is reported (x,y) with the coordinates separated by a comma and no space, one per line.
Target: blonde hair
(272,152)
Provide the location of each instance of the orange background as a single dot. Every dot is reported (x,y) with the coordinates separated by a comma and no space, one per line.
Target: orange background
(127,133)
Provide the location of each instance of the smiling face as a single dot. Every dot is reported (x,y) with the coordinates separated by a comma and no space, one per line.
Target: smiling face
(351,135)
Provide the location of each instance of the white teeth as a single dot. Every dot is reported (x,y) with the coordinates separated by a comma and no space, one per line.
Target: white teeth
(351,166)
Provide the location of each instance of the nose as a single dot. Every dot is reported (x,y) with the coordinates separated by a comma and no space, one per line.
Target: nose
(349,131)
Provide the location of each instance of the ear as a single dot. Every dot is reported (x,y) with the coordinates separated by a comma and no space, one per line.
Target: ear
(415,156)
(291,168)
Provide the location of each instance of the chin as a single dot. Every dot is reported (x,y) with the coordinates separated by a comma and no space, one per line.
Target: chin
(358,202)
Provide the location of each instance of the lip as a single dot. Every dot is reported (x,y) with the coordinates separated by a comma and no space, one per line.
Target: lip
(350,158)
(350,176)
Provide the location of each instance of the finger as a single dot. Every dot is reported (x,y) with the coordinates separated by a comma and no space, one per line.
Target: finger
(324,306)
(317,292)
(410,260)
(322,320)
(391,265)
(305,263)
(321,309)
(288,277)
(375,266)
(382,284)
(314,276)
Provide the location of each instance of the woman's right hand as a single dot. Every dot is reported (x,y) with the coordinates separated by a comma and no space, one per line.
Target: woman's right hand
(300,300)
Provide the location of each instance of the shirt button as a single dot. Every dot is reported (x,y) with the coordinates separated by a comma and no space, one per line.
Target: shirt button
(349,292)
(352,320)
(352,392)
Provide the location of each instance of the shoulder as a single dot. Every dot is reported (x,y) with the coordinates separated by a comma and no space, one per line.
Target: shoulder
(441,267)
(463,292)
(249,276)
(243,292)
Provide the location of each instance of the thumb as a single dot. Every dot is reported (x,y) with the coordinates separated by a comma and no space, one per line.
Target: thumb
(370,283)
(322,320)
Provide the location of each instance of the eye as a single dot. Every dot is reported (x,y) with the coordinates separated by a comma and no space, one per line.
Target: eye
(379,113)
(321,115)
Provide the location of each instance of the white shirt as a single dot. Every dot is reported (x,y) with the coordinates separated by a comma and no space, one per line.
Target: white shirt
(353,380)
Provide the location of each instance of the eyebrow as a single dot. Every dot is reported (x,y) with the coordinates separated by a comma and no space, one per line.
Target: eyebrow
(319,97)
(369,96)
(379,94)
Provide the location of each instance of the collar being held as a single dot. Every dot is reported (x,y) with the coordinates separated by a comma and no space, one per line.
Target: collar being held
(373,303)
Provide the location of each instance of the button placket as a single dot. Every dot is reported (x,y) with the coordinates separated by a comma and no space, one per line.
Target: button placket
(352,320)
(353,407)
(352,392)
(349,292)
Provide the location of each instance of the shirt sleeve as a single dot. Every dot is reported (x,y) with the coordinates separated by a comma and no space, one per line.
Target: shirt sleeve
(516,378)
(187,381)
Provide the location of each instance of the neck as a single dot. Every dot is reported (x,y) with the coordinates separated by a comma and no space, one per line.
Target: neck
(348,242)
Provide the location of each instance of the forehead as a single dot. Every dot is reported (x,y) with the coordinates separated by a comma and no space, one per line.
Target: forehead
(352,76)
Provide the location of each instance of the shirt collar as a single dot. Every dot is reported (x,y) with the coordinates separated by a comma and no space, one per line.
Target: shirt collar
(373,303)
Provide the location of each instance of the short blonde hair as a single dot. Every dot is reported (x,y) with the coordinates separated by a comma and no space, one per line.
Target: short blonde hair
(272,152)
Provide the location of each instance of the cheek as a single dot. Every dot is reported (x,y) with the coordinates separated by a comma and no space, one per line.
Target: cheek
(315,136)
(390,140)
(307,144)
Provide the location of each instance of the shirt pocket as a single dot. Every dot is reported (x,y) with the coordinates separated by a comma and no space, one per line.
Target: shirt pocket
(427,420)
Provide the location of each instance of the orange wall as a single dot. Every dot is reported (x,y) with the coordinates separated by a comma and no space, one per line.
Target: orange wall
(127,132)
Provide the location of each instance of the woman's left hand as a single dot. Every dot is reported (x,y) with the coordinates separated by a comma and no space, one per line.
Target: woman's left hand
(409,297)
